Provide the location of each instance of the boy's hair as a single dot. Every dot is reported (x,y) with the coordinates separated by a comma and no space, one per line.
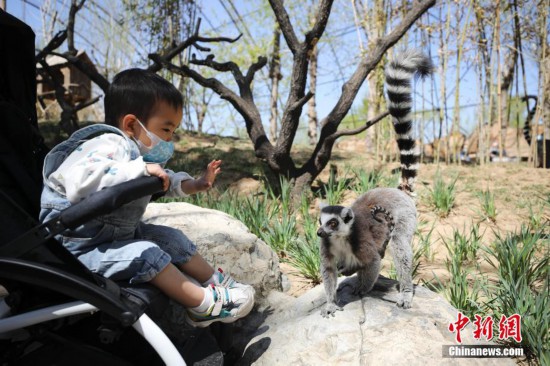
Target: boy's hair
(137,91)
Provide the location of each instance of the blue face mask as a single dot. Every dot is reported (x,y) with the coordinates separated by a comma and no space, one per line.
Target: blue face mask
(159,151)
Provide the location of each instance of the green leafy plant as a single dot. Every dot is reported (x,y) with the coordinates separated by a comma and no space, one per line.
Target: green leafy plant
(335,188)
(463,245)
(537,218)
(304,253)
(465,286)
(488,207)
(523,287)
(443,195)
(424,241)
(365,181)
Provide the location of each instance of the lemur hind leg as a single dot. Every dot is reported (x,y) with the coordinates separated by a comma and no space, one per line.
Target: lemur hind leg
(402,254)
(367,277)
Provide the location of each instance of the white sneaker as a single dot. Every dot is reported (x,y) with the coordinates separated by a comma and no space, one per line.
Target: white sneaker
(225,280)
(229,305)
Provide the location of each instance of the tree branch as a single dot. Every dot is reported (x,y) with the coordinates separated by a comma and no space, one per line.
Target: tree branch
(191,41)
(87,103)
(54,44)
(302,101)
(218,66)
(243,104)
(285,25)
(358,130)
(87,69)
(255,67)
(75,7)
(320,24)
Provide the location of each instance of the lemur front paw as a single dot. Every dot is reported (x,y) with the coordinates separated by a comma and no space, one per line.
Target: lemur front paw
(404,302)
(330,309)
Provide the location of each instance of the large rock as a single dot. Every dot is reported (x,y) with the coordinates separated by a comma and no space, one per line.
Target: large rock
(224,242)
(369,331)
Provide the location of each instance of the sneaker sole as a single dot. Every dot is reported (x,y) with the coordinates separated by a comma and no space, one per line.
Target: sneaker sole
(245,310)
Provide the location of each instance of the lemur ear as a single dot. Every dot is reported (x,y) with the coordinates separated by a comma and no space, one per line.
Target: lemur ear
(347,214)
(322,205)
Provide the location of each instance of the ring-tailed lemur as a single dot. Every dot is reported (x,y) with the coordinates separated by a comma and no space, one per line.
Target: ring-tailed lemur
(529,118)
(354,239)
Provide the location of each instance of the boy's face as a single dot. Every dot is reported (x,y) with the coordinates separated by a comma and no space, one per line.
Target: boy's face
(163,122)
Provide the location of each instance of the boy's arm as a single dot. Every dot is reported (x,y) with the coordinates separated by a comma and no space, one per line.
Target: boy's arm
(182,184)
(98,163)
(177,180)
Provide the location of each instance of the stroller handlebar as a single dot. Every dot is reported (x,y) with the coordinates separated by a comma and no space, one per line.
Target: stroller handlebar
(108,200)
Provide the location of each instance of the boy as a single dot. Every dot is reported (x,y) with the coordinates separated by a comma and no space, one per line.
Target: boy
(142,111)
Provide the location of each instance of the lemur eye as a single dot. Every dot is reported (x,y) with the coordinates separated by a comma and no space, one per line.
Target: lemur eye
(333,224)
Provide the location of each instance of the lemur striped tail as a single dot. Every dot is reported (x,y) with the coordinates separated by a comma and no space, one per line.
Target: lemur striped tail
(399,74)
(530,115)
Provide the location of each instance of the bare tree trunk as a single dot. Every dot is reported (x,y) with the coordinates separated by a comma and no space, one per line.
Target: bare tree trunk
(311,104)
(486,86)
(443,46)
(373,22)
(506,81)
(275,76)
(455,139)
(501,138)
(200,110)
(544,72)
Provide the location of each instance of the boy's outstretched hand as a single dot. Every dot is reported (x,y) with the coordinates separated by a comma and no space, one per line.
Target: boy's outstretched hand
(209,176)
(205,181)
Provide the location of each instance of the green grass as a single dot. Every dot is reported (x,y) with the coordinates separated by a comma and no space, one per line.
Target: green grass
(537,219)
(464,288)
(424,241)
(466,284)
(335,188)
(487,202)
(523,288)
(465,245)
(442,195)
(365,181)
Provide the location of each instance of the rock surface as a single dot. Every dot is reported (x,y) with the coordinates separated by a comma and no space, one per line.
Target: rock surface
(369,331)
(224,242)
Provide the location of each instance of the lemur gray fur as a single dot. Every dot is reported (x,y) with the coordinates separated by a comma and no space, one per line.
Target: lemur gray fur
(354,239)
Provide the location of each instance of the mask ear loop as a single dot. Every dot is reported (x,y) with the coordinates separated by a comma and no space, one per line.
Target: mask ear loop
(155,140)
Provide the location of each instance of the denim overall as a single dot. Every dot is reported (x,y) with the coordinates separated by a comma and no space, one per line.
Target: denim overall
(117,245)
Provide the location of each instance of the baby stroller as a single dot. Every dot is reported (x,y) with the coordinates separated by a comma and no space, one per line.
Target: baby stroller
(53,310)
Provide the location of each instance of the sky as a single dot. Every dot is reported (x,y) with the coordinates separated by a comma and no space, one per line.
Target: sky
(338,59)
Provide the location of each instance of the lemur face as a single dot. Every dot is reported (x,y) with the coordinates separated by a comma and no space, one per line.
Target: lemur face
(335,221)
